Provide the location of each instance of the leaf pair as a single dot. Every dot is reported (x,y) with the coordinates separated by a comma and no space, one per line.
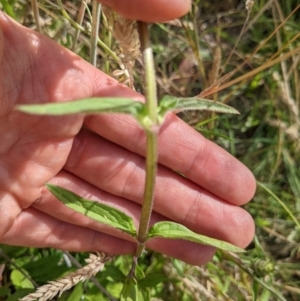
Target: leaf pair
(117,219)
(126,106)
(109,215)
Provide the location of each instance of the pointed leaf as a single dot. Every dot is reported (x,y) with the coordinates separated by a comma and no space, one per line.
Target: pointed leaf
(102,213)
(176,231)
(166,104)
(4,291)
(87,105)
(77,292)
(139,272)
(195,103)
(20,280)
(20,293)
(8,8)
(145,294)
(114,272)
(151,280)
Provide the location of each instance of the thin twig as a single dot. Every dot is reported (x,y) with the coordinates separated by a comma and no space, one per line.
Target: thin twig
(36,14)
(14,265)
(95,30)
(248,6)
(79,21)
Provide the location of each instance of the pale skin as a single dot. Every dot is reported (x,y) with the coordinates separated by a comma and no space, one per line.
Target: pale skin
(101,157)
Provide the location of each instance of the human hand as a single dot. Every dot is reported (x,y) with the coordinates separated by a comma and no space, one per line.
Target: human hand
(101,157)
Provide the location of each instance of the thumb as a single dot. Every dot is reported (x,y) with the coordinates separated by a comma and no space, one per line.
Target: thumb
(150,10)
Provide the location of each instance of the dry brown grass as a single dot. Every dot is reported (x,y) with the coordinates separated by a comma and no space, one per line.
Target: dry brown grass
(95,264)
(126,35)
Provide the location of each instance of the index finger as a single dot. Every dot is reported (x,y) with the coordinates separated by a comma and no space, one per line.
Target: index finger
(150,10)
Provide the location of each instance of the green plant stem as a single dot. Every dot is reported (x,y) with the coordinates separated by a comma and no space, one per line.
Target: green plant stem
(149,71)
(151,132)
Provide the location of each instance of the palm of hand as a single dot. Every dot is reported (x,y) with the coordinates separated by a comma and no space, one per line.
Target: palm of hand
(36,150)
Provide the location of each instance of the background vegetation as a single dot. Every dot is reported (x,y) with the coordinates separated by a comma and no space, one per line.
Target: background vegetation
(250,60)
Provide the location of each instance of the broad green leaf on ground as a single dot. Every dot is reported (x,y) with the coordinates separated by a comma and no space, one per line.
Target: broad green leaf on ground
(77,293)
(39,267)
(114,272)
(97,211)
(20,280)
(179,104)
(151,280)
(87,105)
(11,251)
(19,293)
(4,291)
(176,231)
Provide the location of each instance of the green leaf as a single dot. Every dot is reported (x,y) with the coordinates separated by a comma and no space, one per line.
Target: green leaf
(115,273)
(145,294)
(166,104)
(8,8)
(132,290)
(39,268)
(193,103)
(136,294)
(99,212)
(86,105)
(20,293)
(179,266)
(129,288)
(151,280)
(176,231)
(12,252)
(19,280)
(4,291)
(139,273)
(77,293)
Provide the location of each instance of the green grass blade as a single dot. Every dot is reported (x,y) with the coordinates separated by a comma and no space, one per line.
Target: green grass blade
(280,202)
(87,105)
(271,289)
(102,213)
(176,231)
(153,279)
(8,8)
(293,175)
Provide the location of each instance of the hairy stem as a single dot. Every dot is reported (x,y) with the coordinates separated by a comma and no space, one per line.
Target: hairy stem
(151,132)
